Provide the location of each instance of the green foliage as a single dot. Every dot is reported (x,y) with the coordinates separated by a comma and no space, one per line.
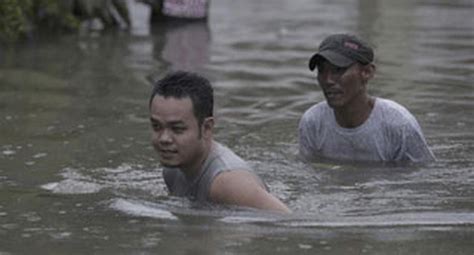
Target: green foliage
(13,18)
(55,15)
(20,17)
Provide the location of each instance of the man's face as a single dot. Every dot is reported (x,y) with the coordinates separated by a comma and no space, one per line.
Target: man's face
(176,135)
(341,86)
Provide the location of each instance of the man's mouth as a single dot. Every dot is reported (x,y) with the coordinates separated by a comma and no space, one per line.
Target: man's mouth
(332,94)
(166,152)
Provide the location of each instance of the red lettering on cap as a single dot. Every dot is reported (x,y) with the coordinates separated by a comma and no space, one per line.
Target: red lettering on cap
(351,45)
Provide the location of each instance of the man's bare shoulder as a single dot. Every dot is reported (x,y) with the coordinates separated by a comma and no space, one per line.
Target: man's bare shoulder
(243,188)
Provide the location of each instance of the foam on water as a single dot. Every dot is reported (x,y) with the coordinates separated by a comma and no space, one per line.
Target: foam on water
(137,208)
(72,187)
(125,177)
(387,221)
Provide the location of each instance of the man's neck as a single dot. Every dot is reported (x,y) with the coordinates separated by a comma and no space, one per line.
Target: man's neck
(356,113)
(194,169)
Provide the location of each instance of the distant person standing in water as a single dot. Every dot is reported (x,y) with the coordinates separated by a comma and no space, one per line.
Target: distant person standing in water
(350,124)
(178,9)
(195,165)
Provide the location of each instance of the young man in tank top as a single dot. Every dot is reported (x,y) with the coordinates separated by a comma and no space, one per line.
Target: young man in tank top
(350,124)
(195,165)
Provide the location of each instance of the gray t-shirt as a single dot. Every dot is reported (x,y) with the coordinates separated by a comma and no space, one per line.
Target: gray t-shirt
(220,159)
(391,133)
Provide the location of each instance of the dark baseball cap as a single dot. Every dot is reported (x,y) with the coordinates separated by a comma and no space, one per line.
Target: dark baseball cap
(342,50)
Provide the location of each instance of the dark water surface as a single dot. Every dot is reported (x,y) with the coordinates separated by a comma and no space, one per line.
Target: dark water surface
(78,174)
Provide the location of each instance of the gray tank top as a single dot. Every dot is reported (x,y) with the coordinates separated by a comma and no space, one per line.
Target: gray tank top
(220,159)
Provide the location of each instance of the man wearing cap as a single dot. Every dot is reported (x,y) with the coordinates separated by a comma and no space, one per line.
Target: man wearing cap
(350,124)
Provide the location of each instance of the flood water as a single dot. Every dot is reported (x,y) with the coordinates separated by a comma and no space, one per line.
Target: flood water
(78,174)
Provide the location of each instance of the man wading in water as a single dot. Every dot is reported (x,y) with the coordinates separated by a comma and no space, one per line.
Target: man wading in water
(351,124)
(195,165)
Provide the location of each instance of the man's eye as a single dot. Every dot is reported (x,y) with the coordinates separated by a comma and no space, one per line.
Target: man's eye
(178,130)
(156,126)
(340,70)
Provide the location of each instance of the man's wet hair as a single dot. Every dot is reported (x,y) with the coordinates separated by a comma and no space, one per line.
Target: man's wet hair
(181,84)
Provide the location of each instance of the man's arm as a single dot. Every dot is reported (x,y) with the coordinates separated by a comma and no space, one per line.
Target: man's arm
(242,188)
(308,132)
(417,149)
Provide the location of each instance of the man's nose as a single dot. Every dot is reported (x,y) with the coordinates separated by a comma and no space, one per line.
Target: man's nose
(165,136)
(328,78)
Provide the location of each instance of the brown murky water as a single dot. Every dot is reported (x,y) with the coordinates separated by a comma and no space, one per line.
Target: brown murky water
(78,174)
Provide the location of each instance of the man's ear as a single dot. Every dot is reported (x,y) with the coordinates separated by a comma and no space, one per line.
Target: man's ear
(208,127)
(368,72)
